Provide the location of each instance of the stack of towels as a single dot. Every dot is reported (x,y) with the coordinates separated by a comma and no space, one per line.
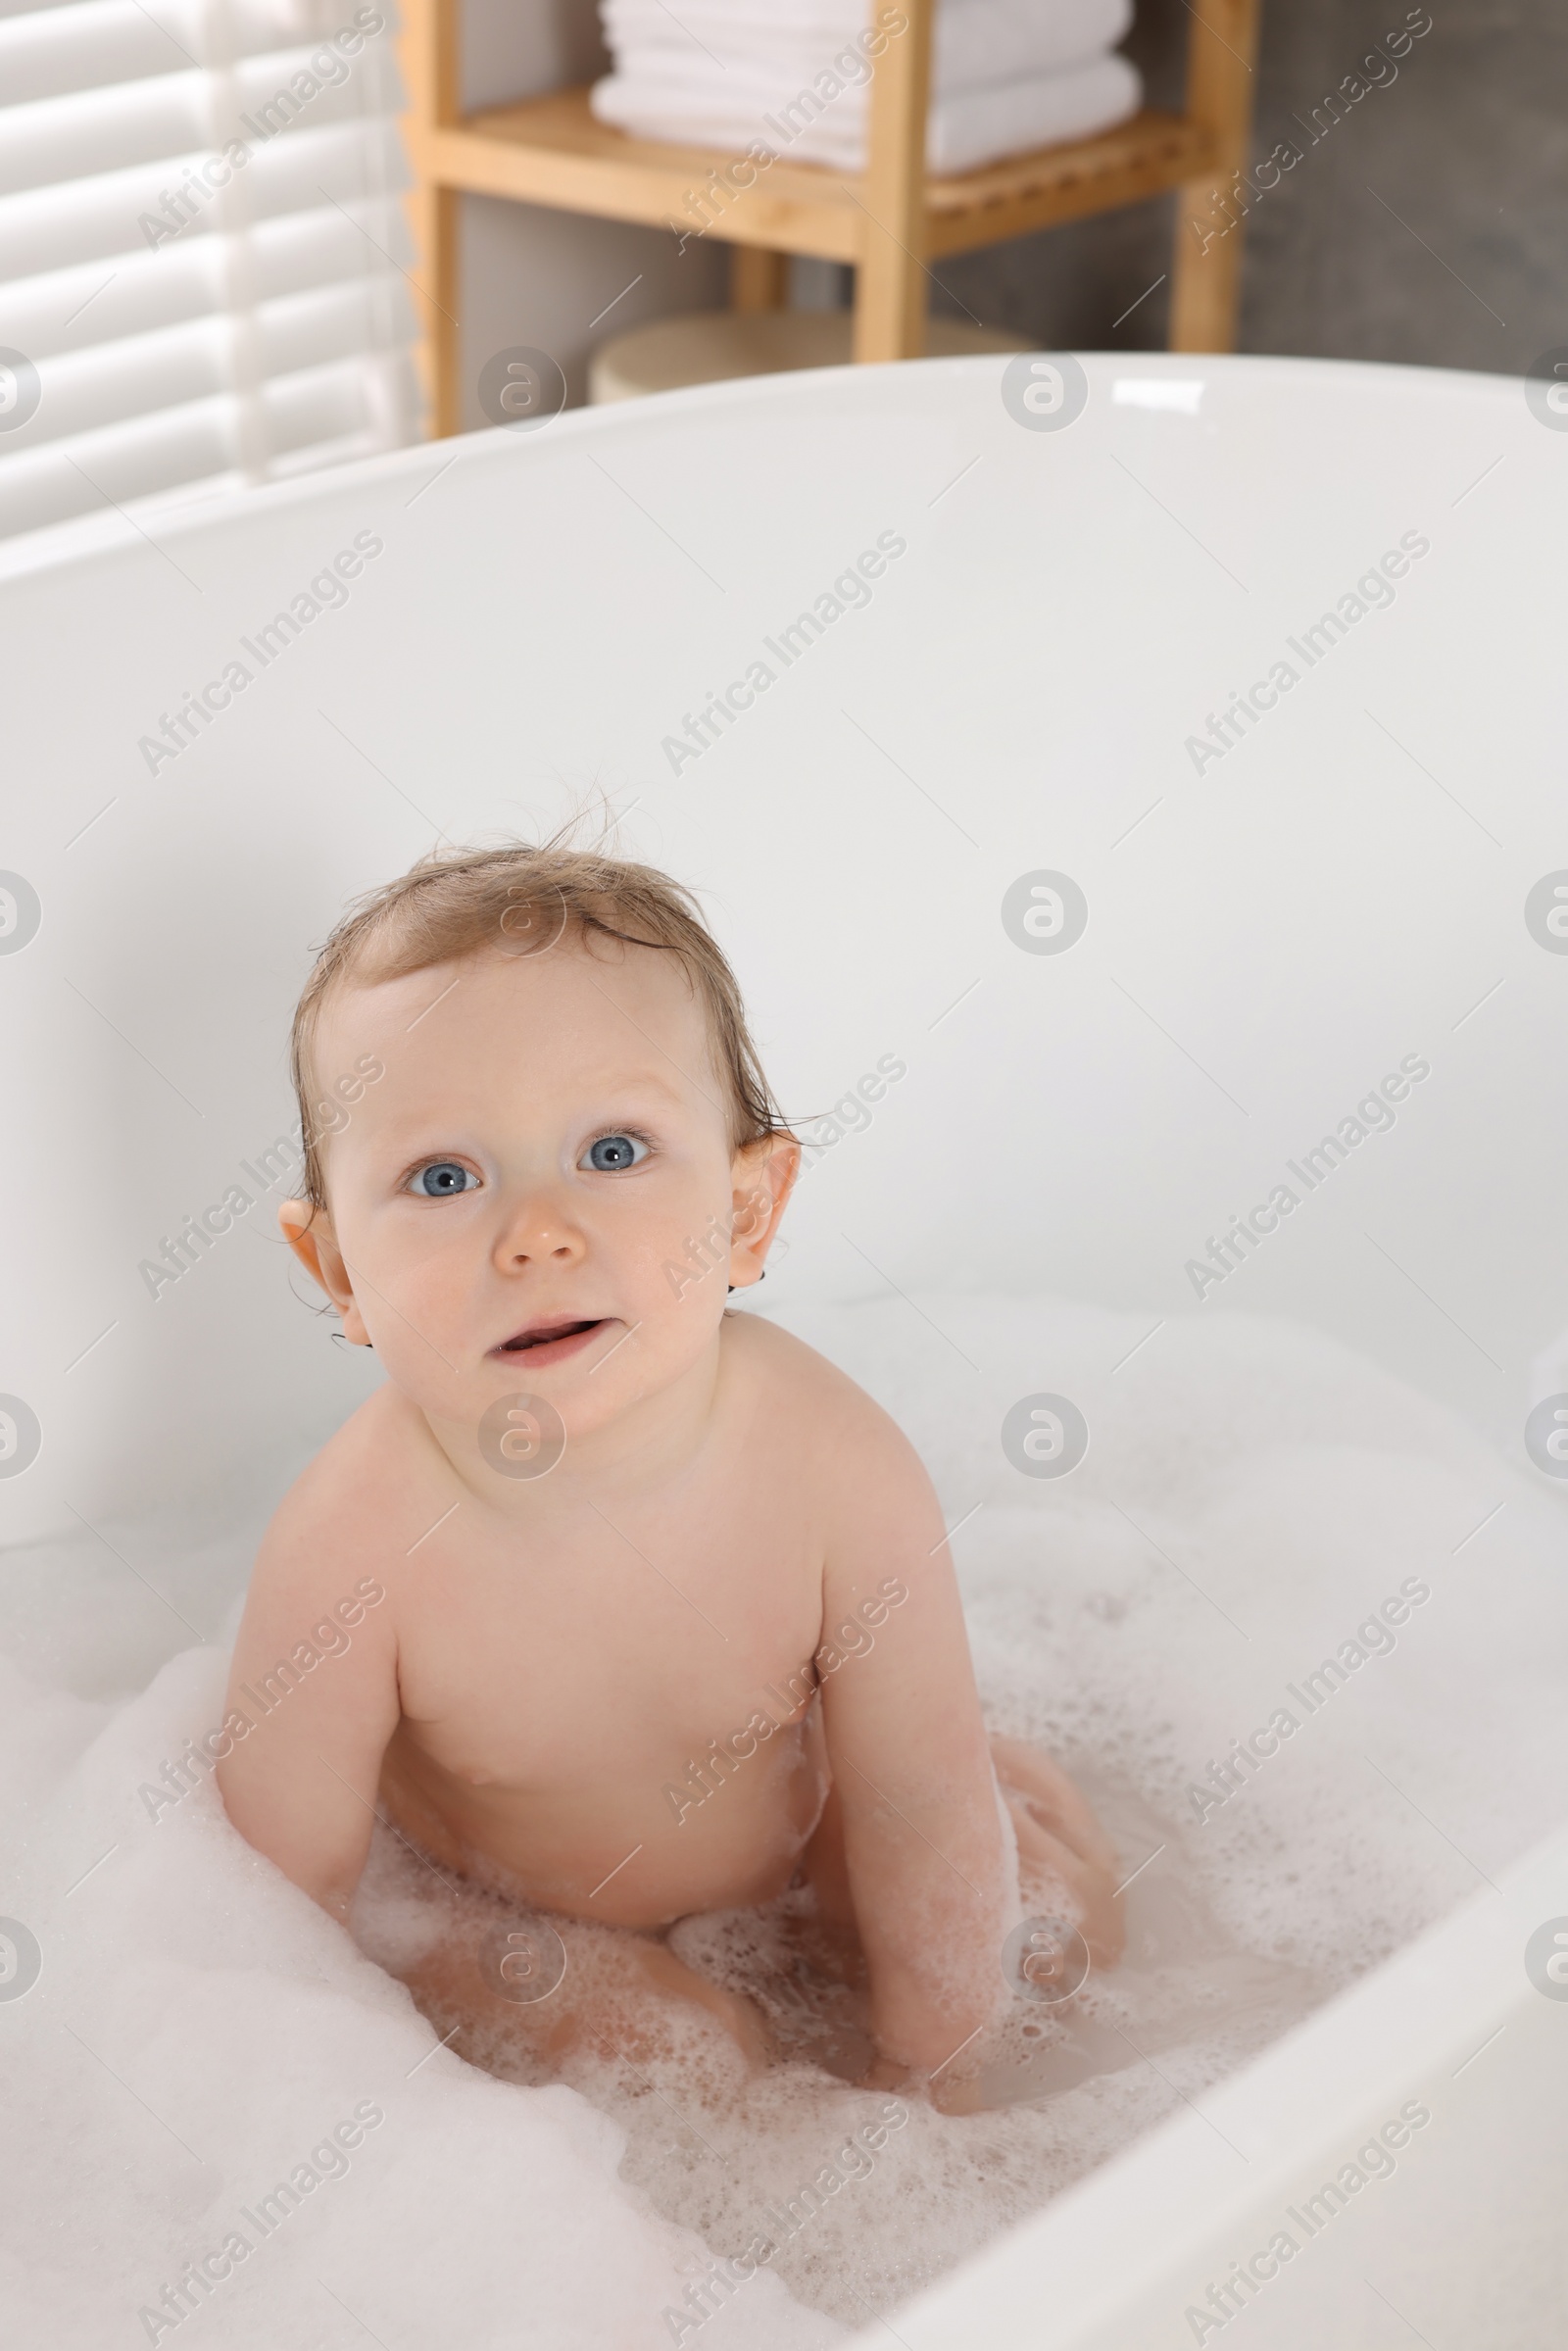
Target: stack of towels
(791,75)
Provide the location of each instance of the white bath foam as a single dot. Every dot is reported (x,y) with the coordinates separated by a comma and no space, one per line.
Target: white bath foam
(198,2032)
(1258,1466)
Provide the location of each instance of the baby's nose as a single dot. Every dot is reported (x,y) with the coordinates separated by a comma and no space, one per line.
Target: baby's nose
(542,1231)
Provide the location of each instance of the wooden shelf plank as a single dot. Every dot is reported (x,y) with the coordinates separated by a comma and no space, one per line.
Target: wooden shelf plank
(551,151)
(1143,157)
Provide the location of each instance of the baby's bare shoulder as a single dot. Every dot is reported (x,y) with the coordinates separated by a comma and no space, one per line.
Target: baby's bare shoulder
(343,1514)
(847,1462)
(820,1402)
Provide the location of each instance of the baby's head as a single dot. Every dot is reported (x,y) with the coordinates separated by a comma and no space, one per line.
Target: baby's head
(530,1105)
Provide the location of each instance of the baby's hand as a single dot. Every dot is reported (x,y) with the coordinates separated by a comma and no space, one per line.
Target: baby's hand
(1064,1856)
(956,2089)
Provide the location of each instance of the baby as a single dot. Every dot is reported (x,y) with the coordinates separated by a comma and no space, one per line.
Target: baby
(668,1620)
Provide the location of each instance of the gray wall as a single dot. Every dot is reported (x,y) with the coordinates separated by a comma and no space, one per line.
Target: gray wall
(1468,146)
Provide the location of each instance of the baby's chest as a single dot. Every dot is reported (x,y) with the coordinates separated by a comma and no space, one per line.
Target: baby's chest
(622,1643)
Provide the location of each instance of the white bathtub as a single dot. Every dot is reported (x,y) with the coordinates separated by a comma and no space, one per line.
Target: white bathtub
(1030,688)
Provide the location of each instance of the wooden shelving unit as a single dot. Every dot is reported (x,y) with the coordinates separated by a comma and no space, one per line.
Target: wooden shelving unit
(885,221)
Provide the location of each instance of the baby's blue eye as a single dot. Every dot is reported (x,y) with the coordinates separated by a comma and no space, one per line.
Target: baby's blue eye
(441,1179)
(613,1151)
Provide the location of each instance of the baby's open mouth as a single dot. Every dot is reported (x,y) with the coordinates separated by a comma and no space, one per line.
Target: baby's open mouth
(549,1341)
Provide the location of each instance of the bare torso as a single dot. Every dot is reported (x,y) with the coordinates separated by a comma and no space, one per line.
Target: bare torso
(563,1683)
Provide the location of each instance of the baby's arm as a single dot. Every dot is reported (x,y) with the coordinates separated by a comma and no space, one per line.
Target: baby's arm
(301,1784)
(907,1750)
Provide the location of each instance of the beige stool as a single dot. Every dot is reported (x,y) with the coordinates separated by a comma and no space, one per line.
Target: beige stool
(712,345)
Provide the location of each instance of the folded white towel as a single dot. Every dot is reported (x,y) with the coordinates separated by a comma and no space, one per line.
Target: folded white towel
(975,43)
(809,125)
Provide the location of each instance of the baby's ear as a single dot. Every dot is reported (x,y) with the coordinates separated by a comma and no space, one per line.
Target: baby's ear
(308,1234)
(762,1175)
(295,1220)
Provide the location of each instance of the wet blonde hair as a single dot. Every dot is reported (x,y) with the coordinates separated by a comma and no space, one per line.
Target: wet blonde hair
(521,900)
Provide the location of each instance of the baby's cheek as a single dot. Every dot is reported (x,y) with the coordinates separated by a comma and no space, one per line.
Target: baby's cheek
(682,1277)
(423,1313)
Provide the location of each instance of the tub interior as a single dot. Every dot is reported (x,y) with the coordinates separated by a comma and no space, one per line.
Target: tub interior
(1335,1416)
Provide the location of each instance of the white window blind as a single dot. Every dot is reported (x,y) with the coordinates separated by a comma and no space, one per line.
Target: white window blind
(201,249)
